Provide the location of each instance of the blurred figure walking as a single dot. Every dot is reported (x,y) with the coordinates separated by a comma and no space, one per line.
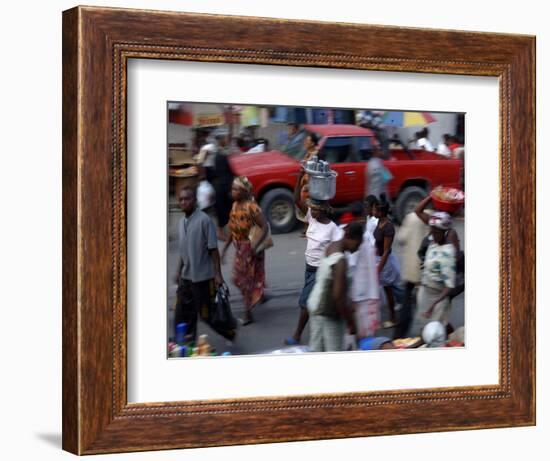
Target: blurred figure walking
(329,303)
(321,231)
(371,221)
(365,289)
(249,263)
(295,144)
(438,274)
(409,236)
(220,174)
(198,273)
(388,265)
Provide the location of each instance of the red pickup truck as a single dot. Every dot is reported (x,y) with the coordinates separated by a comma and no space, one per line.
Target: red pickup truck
(273,174)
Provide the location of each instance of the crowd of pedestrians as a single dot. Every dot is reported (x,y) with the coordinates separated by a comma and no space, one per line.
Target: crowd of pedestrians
(351,271)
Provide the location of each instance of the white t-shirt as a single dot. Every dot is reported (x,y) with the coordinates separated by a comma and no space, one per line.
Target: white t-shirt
(442,149)
(362,268)
(319,236)
(207,155)
(372,222)
(424,143)
(258,148)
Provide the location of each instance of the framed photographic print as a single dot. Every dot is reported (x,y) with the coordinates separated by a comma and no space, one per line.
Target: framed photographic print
(286,230)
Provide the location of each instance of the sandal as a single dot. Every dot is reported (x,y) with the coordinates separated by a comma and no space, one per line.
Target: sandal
(246,321)
(261,301)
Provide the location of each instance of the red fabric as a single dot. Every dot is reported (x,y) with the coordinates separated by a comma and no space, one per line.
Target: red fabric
(346,218)
(249,272)
(180,117)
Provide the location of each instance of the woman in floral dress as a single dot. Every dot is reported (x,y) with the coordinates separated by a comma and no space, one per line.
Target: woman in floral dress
(249,264)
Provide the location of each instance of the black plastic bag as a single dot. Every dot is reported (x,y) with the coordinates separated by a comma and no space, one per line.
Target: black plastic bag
(221,319)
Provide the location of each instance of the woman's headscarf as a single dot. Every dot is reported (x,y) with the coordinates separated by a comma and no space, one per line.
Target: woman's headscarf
(441,220)
(243,183)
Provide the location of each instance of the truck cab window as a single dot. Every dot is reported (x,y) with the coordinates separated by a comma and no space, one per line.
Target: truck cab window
(363,147)
(338,150)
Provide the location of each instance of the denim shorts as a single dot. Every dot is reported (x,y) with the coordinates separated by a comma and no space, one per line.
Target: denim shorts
(309,281)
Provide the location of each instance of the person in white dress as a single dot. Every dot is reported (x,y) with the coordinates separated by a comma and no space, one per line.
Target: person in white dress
(365,290)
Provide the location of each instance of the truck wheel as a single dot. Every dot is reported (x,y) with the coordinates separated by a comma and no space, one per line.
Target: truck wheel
(407,201)
(278,208)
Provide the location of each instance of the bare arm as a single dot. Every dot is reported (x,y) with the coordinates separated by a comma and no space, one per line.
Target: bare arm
(440,298)
(298,191)
(215,255)
(443,295)
(340,295)
(177,274)
(262,223)
(419,210)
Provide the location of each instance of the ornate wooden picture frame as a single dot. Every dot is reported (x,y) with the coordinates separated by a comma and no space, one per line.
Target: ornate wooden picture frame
(97,44)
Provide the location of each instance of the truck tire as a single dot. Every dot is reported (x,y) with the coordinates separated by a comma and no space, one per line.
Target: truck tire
(278,208)
(407,201)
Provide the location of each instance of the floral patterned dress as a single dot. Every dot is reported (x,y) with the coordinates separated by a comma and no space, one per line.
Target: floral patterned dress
(248,267)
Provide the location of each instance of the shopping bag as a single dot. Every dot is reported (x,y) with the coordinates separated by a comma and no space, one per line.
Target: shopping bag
(221,319)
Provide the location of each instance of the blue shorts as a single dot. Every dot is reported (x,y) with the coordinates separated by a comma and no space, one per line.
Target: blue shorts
(309,281)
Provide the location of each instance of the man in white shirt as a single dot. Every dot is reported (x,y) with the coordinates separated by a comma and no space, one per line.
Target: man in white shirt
(443,148)
(422,141)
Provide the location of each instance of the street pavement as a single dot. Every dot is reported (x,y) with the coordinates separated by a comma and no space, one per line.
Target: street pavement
(276,319)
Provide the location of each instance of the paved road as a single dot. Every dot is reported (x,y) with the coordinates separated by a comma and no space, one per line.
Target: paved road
(276,319)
